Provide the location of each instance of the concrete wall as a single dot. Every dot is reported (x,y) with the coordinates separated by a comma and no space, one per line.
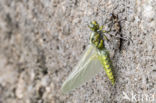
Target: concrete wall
(42,40)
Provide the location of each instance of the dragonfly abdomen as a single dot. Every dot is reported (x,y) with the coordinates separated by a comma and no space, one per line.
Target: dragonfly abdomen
(104,58)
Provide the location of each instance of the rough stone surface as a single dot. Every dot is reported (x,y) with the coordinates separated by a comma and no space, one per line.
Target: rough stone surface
(42,40)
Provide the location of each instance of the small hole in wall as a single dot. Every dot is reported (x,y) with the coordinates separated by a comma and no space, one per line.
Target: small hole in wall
(44,39)
(84,47)
(57,47)
(49,57)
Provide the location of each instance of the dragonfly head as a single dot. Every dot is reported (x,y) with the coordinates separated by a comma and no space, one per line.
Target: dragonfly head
(94,26)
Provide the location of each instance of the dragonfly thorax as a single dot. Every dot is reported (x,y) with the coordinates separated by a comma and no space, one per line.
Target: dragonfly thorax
(97,40)
(97,37)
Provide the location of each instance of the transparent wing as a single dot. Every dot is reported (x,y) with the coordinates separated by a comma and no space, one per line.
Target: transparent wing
(88,67)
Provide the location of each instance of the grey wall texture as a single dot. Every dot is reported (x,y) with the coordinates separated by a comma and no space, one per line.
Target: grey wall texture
(42,40)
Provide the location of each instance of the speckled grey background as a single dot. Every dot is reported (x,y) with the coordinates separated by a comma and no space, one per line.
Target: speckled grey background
(42,40)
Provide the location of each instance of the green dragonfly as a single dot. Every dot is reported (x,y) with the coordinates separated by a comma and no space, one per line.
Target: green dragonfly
(95,57)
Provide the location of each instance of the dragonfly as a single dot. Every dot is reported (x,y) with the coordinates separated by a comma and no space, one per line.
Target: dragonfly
(93,60)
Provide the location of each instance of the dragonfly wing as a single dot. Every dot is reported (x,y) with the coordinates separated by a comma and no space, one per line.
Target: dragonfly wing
(87,68)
